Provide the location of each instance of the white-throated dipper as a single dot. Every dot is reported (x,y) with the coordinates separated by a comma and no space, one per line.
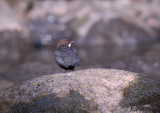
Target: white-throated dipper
(65,56)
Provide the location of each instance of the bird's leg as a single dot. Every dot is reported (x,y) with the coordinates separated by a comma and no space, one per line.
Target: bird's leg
(72,70)
(70,73)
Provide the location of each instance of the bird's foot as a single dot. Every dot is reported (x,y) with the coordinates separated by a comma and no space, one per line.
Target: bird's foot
(68,74)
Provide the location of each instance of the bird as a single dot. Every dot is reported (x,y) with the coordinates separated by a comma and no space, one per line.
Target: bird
(66,57)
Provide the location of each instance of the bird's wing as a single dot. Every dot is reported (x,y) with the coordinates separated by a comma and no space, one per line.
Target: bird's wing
(58,58)
(67,58)
(76,59)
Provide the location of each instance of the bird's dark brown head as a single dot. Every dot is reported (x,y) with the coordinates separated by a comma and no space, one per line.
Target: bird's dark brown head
(64,42)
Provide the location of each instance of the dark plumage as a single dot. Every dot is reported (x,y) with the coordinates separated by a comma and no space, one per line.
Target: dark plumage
(65,56)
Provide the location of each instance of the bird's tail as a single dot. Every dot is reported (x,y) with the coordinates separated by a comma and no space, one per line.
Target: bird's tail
(76,64)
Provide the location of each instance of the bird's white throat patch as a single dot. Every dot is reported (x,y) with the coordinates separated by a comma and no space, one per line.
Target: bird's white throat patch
(69,45)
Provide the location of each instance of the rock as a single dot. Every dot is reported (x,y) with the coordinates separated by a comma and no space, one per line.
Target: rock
(29,70)
(8,20)
(47,31)
(118,32)
(85,91)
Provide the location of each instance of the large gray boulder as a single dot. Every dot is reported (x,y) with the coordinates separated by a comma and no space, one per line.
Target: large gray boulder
(118,32)
(85,91)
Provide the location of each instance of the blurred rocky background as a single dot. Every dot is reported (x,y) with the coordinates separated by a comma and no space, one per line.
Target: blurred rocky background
(118,34)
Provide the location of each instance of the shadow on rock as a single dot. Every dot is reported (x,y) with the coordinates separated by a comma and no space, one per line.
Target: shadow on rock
(142,95)
(74,102)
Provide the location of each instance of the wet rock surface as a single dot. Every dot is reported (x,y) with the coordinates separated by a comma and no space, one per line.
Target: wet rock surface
(85,91)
